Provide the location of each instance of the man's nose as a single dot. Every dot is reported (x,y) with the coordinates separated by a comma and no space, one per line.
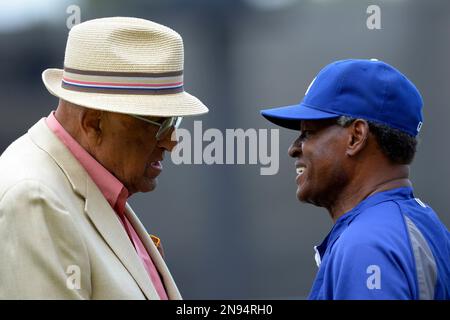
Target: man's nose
(169,140)
(295,150)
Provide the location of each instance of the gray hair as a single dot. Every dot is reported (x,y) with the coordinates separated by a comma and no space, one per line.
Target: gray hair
(345,121)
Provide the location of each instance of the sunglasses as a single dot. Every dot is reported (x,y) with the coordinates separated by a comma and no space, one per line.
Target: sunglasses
(164,127)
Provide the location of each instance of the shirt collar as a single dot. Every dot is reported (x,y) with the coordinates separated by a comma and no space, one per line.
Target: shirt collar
(112,189)
(344,221)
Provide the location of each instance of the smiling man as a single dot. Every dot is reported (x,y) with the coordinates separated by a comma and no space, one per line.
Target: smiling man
(66,230)
(358,124)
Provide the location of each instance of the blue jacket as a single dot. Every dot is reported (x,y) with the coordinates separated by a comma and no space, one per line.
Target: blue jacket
(390,246)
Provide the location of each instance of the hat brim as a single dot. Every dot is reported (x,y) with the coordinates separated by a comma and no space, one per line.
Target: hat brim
(162,105)
(290,116)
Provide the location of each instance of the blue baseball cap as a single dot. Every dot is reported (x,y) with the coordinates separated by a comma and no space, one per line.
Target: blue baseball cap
(366,89)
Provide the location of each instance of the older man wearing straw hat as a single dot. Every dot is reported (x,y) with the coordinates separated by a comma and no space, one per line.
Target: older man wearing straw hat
(66,230)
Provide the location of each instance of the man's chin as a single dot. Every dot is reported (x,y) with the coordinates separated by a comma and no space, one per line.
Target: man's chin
(302,196)
(149,184)
(306,196)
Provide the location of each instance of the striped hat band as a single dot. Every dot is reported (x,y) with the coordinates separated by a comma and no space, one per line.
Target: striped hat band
(122,82)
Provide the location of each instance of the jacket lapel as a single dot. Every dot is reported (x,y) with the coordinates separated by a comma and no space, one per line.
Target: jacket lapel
(108,225)
(96,207)
(169,283)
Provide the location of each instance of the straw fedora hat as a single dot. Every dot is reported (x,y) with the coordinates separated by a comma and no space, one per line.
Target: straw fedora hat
(125,65)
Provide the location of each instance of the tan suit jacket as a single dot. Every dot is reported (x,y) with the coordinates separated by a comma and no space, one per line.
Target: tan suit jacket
(59,237)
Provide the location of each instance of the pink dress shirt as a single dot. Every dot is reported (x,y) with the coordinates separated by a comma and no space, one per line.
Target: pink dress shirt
(115,193)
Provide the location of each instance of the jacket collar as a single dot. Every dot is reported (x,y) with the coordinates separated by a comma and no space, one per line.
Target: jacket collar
(169,283)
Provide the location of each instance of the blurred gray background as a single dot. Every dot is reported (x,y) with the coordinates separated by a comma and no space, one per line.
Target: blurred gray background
(228,232)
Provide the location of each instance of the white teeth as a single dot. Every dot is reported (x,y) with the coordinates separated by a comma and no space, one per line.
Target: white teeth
(300,170)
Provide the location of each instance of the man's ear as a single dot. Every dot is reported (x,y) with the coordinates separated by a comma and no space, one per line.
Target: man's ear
(91,125)
(358,137)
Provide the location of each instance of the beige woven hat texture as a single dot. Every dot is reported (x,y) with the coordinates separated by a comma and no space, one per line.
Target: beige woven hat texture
(125,65)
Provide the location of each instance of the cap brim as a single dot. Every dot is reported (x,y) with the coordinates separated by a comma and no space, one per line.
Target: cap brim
(290,116)
(162,105)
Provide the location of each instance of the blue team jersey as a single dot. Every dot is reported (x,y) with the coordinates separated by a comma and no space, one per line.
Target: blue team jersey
(390,246)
